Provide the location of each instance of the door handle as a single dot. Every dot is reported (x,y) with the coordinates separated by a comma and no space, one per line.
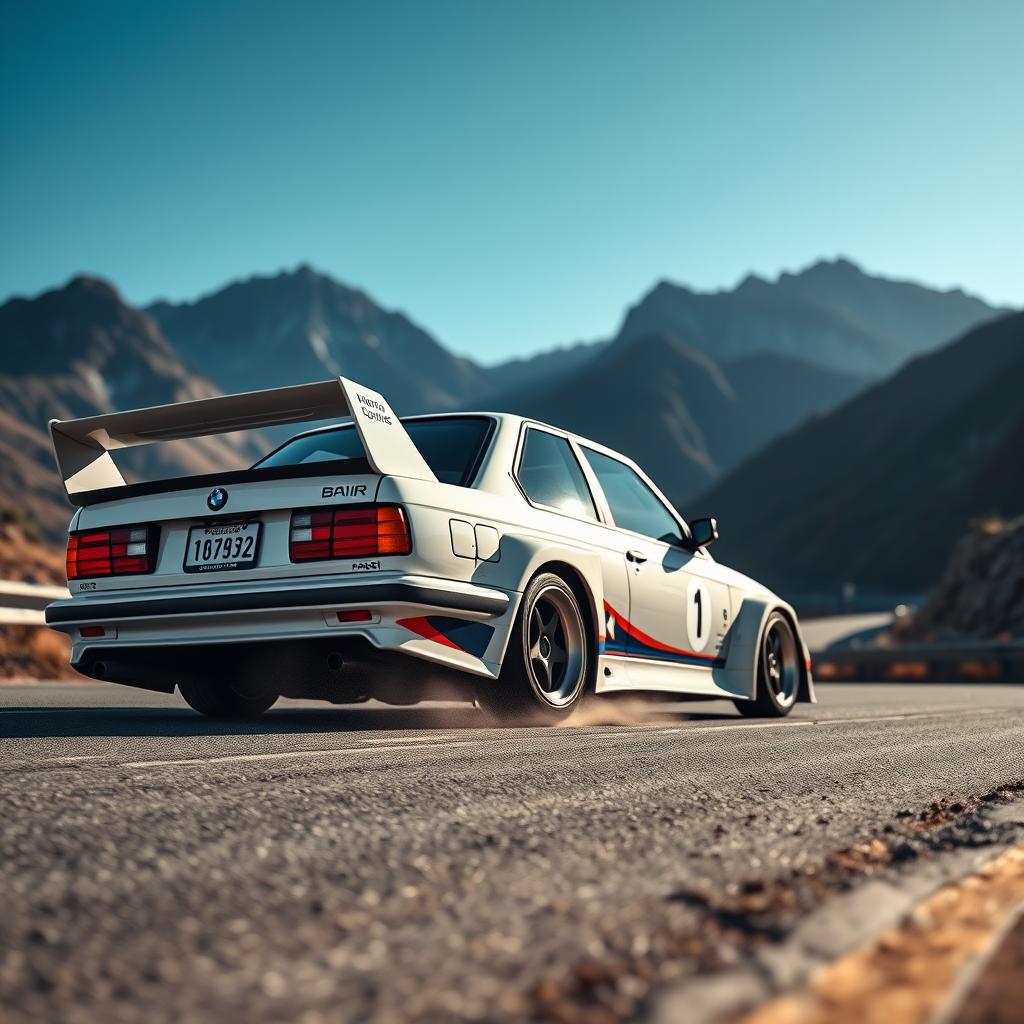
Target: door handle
(636,556)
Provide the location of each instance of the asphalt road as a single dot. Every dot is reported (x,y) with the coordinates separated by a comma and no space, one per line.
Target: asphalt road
(381,864)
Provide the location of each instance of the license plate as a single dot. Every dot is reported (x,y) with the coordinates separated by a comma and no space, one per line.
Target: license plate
(218,546)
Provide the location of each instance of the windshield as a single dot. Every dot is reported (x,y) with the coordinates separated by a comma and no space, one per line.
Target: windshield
(451,446)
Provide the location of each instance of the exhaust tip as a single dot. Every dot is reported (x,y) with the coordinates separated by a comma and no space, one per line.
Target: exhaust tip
(99,669)
(335,662)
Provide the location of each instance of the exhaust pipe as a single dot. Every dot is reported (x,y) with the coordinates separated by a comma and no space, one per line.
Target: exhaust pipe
(99,669)
(335,662)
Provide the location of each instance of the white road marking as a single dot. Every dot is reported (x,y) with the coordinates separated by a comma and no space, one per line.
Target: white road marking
(739,727)
(50,762)
(908,715)
(406,739)
(384,744)
(280,755)
(44,710)
(733,728)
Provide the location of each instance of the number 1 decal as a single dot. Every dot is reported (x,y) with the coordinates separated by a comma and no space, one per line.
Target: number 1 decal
(698,615)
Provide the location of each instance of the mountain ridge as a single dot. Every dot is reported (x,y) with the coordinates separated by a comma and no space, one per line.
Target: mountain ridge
(700,416)
(303,325)
(832,313)
(876,491)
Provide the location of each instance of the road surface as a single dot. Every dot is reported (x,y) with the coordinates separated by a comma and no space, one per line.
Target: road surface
(380,864)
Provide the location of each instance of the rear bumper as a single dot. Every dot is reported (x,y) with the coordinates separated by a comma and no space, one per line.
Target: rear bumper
(468,599)
(453,623)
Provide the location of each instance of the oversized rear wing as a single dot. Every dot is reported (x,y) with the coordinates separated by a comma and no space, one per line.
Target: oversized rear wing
(82,447)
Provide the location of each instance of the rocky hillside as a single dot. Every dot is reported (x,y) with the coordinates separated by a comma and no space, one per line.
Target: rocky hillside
(981,593)
(879,491)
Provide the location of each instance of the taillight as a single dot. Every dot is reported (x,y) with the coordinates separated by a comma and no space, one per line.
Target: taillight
(126,551)
(324,533)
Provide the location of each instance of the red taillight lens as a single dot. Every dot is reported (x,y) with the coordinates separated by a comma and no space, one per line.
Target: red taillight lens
(324,533)
(126,551)
(355,615)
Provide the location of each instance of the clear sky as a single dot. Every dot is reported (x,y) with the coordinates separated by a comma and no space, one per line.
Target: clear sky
(510,174)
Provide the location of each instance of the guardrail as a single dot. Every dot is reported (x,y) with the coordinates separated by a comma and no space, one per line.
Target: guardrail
(933,663)
(22,604)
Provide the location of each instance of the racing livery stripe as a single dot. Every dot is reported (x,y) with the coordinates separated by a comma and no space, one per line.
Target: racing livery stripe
(458,634)
(635,643)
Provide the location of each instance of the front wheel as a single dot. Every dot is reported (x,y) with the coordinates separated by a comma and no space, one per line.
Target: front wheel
(222,700)
(544,675)
(778,672)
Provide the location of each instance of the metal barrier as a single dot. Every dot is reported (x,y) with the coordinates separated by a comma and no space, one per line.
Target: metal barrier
(22,604)
(932,663)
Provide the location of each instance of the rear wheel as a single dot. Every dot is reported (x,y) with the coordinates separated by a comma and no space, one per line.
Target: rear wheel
(224,700)
(547,665)
(778,672)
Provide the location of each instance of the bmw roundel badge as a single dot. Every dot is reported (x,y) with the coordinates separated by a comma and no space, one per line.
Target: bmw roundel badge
(217,499)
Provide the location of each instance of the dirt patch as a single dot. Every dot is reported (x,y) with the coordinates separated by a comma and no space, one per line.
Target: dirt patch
(907,974)
(997,991)
(731,922)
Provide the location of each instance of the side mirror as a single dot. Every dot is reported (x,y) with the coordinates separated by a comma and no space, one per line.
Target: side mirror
(704,531)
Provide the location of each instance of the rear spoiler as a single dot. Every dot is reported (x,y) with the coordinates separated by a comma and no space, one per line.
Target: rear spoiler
(82,447)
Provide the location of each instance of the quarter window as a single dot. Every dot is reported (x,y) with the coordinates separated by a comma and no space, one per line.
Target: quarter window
(550,475)
(634,505)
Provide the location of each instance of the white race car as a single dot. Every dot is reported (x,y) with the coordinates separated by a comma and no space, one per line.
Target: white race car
(476,555)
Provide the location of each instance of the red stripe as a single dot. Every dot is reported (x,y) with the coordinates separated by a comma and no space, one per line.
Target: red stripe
(422,627)
(649,641)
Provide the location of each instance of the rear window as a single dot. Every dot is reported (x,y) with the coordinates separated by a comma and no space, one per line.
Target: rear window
(451,447)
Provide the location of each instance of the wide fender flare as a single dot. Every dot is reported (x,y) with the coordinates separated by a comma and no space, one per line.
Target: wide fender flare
(525,557)
(744,643)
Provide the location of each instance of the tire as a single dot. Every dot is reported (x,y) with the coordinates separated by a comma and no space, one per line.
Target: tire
(778,672)
(222,700)
(547,666)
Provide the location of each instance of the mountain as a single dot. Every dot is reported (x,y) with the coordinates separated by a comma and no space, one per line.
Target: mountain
(692,385)
(545,368)
(682,415)
(831,313)
(81,350)
(878,491)
(303,326)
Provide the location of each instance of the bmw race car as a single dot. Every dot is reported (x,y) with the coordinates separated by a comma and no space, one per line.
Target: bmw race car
(474,555)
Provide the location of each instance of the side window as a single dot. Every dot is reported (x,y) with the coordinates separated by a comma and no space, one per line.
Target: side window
(634,505)
(550,475)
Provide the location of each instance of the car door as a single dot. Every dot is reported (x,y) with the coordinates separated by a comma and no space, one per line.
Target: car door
(678,615)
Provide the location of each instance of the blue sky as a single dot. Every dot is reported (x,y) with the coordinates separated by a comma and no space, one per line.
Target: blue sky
(510,174)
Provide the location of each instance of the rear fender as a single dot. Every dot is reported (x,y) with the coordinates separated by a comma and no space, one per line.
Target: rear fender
(525,557)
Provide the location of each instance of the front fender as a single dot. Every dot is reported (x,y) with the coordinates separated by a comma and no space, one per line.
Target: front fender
(740,673)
